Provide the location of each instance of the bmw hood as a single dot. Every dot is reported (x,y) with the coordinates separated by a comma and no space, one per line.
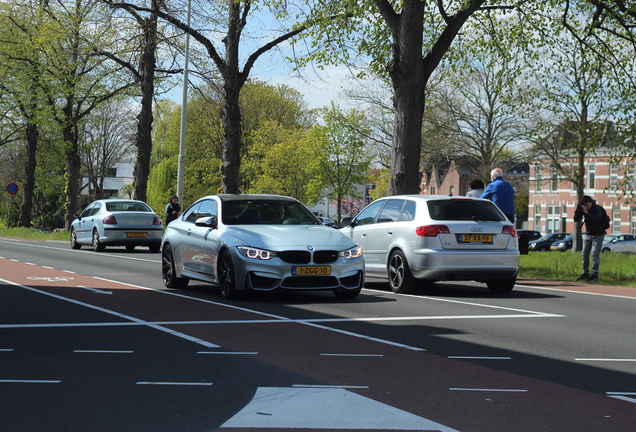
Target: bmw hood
(282,237)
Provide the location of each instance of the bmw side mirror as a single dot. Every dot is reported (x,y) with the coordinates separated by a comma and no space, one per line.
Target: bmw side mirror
(208,221)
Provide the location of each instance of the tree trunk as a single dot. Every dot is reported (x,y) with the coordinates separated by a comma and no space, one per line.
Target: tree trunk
(26,210)
(73,163)
(144,127)
(232,140)
(407,76)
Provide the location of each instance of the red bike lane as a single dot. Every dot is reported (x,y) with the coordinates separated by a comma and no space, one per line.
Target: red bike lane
(368,383)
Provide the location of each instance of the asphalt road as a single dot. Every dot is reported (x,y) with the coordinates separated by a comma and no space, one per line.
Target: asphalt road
(93,342)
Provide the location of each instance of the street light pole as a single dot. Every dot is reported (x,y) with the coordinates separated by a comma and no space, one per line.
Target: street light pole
(184,103)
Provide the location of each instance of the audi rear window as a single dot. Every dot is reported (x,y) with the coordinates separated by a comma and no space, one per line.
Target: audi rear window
(464,210)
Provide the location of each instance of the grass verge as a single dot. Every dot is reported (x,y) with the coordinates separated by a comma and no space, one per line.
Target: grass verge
(617,269)
(33,234)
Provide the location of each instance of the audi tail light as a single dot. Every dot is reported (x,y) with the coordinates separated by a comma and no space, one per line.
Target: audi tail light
(509,229)
(109,220)
(431,230)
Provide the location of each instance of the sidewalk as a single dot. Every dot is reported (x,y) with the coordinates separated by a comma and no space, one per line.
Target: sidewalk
(595,288)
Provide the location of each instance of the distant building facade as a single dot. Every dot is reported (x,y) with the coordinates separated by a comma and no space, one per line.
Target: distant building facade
(120,175)
(609,181)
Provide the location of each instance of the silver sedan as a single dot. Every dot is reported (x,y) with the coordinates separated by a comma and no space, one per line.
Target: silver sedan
(117,222)
(261,243)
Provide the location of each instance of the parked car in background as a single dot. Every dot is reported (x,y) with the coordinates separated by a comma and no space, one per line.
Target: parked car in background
(261,243)
(532,235)
(544,243)
(327,221)
(117,222)
(562,245)
(615,243)
(416,240)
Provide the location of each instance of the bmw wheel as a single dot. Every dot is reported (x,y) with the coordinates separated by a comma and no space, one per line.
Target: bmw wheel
(74,243)
(97,245)
(168,272)
(226,280)
(400,278)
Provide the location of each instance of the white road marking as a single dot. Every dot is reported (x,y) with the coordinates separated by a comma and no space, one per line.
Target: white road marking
(95,290)
(51,279)
(623,396)
(489,390)
(479,358)
(577,292)
(353,355)
(173,383)
(117,314)
(605,360)
(32,381)
(103,351)
(227,352)
(6,349)
(324,408)
(75,251)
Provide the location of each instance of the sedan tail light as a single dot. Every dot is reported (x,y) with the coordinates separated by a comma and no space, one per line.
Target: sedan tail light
(109,220)
(509,229)
(157,221)
(431,230)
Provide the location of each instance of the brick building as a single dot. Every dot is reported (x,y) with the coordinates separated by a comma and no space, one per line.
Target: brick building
(610,182)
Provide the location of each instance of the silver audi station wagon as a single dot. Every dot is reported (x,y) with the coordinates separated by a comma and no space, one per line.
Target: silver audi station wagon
(415,240)
(262,243)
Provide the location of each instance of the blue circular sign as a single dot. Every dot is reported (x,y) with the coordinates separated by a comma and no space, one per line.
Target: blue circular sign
(12,188)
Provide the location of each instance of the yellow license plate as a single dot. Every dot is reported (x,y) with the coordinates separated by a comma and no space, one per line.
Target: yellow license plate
(311,271)
(133,234)
(475,238)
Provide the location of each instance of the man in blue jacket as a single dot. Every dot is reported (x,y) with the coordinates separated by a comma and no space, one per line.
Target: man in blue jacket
(501,193)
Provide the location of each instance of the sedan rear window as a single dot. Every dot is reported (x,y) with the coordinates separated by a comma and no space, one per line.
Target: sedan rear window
(464,210)
(127,206)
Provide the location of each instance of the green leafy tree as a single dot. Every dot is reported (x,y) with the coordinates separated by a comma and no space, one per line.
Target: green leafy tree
(344,156)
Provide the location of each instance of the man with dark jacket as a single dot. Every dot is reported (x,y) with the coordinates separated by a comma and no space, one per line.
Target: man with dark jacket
(173,209)
(593,216)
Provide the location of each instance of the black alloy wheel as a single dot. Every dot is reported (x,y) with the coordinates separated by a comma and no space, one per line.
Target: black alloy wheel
(227,283)
(400,278)
(168,273)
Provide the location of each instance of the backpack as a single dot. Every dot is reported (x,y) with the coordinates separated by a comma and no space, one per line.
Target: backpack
(605,220)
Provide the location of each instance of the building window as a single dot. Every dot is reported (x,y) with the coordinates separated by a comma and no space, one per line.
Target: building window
(554,180)
(633,220)
(452,191)
(539,177)
(111,172)
(613,180)
(553,219)
(432,190)
(537,218)
(630,172)
(616,220)
(591,177)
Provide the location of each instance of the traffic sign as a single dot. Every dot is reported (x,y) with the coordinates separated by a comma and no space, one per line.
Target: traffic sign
(12,188)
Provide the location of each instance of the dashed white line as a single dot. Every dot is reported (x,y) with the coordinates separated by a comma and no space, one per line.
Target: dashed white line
(6,349)
(103,351)
(623,396)
(479,358)
(173,383)
(489,390)
(95,290)
(32,381)
(353,355)
(605,360)
(227,352)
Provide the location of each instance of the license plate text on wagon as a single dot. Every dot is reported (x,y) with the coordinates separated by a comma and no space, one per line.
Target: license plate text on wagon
(311,271)
(474,238)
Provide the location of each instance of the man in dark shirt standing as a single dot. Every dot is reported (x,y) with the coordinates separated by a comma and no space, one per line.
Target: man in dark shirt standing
(593,217)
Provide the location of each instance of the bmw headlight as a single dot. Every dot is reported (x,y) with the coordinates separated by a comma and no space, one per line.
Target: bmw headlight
(352,253)
(256,253)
